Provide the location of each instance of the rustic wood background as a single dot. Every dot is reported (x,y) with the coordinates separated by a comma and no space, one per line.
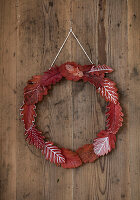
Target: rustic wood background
(31,33)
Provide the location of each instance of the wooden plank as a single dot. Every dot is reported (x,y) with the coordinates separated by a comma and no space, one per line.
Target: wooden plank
(43,26)
(102,28)
(116,48)
(134,96)
(30,170)
(8,100)
(86,108)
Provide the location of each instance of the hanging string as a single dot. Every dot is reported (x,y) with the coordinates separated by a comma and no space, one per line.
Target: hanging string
(61,48)
(81,47)
(70,31)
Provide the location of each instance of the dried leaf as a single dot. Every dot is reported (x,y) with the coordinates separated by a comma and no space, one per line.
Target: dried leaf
(101,146)
(114,117)
(34,91)
(51,77)
(72,159)
(35,138)
(86,153)
(104,143)
(70,71)
(104,86)
(53,153)
(109,91)
(35,79)
(28,112)
(95,80)
(100,69)
(112,140)
(85,68)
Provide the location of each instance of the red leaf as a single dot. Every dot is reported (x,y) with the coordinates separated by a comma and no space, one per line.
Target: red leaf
(28,112)
(114,117)
(112,140)
(103,133)
(35,79)
(100,69)
(112,137)
(97,81)
(53,153)
(104,86)
(34,92)
(86,153)
(109,91)
(70,71)
(72,159)
(34,137)
(84,68)
(50,77)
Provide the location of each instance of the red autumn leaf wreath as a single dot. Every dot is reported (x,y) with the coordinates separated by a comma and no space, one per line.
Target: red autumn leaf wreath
(39,85)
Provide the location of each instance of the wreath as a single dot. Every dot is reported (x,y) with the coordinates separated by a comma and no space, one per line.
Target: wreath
(39,85)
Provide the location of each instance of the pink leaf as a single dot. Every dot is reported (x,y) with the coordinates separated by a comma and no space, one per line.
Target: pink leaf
(114,117)
(104,143)
(53,153)
(100,69)
(34,137)
(101,146)
(71,71)
(109,91)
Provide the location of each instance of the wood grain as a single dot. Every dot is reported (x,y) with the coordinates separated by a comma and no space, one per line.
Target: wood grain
(31,33)
(134,96)
(8,100)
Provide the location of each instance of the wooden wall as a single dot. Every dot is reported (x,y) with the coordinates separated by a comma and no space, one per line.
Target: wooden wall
(31,33)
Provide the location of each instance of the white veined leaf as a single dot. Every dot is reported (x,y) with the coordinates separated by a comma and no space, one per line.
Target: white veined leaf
(53,153)
(109,91)
(101,146)
(101,68)
(33,136)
